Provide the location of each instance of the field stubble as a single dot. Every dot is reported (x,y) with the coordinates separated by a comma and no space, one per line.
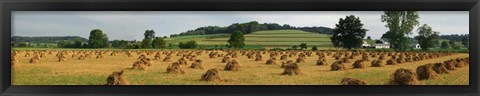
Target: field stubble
(95,71)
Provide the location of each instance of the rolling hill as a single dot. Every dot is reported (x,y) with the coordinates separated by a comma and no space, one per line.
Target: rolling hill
(266,39)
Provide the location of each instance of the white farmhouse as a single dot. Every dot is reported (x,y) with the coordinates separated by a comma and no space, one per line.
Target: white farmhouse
(381,46)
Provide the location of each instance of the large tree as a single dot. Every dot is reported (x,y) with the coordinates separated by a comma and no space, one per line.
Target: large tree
(97,39)
(445,45)
(400,25)
(147,41)
(149,34)
(426,37)
(348,33)
(236,40)
(78,42)
(158,42)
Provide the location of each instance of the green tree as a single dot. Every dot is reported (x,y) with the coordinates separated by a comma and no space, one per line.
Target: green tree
(453,45)
(97,39)
(294,47)
(158,42)
(465,41)
(149,34)
(400,25)
(64,44)
(445,45)
(115,43)
(119,44)
(303,46)
(188,45)
(314,48)
(348,33)
(426,37)
(146,43)
(78,42)
(236,40)
(252,27)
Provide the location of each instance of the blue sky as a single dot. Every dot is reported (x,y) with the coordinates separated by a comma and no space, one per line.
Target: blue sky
(130,25)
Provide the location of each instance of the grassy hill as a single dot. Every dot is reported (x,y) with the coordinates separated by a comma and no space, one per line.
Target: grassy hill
(266,39)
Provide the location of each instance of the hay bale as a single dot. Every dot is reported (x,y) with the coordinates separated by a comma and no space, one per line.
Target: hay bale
(391,62)
(400,60)
(352,81)
(377,63)
(271,61)
(450,65)
(338,57)
(440,68)
(212,76)
(139,65)
(183,61)
(232,65)
(382,57)
(460,64)
(62,59)
(321,62)
(365,58)
(259,58)
(117,78)
(404,77)
(408,60)
(426,72)
(359,64)
(175,68)
(81,57)
(99,56)
(226,59)
(285,63)
(147,61)
(292,69)
(284,57)
(142,56)
(34,61)
(157,56)
(346,60)
(167,59)
(300,60)
(337,66)
(197,65)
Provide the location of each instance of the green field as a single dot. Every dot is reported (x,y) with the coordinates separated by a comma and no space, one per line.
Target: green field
(265,39)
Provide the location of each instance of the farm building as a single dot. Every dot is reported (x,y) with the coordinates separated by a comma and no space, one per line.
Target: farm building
(381,46)
(415,46)
(365,44)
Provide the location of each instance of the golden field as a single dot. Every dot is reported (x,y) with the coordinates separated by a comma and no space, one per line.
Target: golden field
(92,71)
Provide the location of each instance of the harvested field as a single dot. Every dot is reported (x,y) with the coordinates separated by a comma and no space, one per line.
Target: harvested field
(90,70)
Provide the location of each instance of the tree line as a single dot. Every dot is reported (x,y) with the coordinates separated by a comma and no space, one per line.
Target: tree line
(249,27)
(46,39)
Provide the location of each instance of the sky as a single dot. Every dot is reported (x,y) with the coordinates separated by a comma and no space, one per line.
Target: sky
(130,25)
